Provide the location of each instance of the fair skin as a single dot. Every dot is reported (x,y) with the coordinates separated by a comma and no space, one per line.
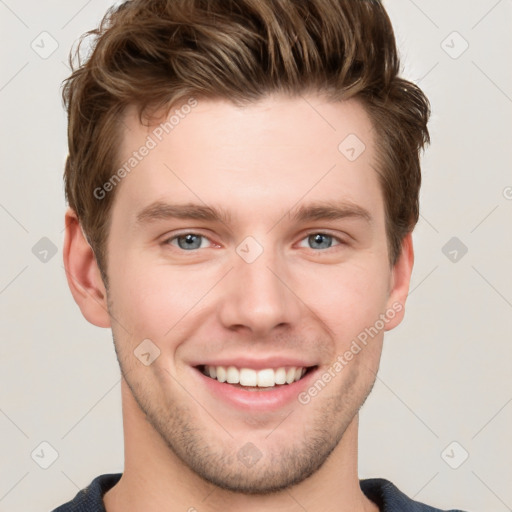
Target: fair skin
(301,302)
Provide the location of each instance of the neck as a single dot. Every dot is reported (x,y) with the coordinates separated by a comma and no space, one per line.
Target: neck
(155,479)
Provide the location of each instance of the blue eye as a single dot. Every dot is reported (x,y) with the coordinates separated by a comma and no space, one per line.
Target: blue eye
(320,241)
(194,241)
(188,242)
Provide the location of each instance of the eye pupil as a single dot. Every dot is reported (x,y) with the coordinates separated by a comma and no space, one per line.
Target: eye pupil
(189,241)
(322,241)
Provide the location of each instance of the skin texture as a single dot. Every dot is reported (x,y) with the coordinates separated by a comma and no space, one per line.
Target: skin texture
(259,163)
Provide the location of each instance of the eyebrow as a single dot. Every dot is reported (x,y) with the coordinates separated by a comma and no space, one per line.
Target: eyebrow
(162,211)
(330,210)
(319,210)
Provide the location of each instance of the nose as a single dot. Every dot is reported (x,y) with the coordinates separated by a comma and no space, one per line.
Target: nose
(258,296)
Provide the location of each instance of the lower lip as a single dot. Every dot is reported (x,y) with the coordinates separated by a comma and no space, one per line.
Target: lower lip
(268,399)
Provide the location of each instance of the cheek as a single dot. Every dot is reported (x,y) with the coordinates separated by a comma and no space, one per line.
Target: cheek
(154,300)
(141,299)
(347,298)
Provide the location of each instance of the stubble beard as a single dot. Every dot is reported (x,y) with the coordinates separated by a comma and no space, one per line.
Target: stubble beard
(216,459)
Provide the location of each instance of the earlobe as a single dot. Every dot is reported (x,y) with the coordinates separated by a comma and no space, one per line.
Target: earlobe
(83,274)
(400,281)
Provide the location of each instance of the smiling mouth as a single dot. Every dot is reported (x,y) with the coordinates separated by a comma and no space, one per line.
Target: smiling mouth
(250,379)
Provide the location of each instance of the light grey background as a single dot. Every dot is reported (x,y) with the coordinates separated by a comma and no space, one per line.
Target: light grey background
(446,371)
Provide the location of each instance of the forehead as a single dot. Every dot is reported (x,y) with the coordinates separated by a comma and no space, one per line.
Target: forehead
(277,152)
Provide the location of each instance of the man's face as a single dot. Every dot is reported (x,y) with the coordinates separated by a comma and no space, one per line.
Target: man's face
(279,281)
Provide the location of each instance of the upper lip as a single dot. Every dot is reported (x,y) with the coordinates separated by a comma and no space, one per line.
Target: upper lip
(256,364)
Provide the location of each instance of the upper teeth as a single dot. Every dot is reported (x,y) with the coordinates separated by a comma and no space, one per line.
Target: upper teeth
(248,377)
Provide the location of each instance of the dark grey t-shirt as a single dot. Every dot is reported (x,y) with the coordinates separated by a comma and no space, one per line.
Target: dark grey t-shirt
(382,492)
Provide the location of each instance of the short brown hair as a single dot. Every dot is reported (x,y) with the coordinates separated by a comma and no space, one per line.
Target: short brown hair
(154,53)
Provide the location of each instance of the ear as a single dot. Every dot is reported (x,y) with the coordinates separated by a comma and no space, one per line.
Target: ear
(399,282)
(83,274)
